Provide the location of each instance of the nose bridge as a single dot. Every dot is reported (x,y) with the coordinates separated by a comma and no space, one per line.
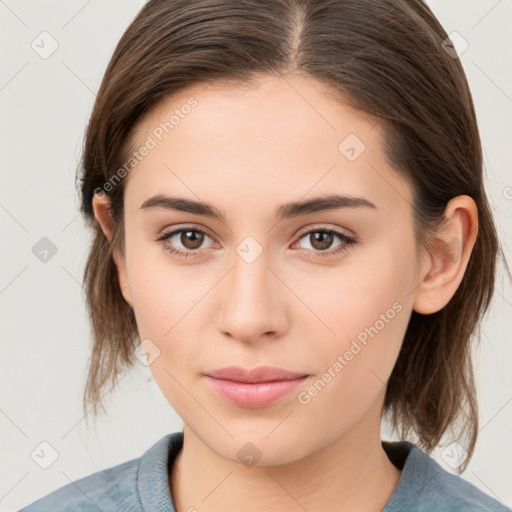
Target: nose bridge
(251,277)
(250,274)
(251,299)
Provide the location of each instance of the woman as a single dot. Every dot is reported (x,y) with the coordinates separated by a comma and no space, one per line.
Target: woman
(291,229)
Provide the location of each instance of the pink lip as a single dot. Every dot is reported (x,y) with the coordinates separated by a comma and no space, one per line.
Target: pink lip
(254,388)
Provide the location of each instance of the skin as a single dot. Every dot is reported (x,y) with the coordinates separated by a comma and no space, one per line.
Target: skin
(247,151)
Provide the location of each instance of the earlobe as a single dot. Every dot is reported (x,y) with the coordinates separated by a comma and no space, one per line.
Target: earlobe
(101,208)
(448,258)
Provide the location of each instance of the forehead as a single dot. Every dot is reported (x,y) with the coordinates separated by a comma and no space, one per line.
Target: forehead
(291,108)
(273,138)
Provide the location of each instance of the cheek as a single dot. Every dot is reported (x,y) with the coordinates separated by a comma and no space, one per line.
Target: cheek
(365,307)
(162,291)
(346,300)
(354,366)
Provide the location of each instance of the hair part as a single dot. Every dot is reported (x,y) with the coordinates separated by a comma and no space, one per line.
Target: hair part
(382,57)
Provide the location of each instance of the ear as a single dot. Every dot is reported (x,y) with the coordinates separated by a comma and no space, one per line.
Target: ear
(443,269)
(101,208)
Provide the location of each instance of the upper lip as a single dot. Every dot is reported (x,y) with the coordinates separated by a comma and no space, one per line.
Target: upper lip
(261,374)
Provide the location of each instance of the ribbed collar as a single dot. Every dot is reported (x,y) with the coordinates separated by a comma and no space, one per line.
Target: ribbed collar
(152,474)
(155,464)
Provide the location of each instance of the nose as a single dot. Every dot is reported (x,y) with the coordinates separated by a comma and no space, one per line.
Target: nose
(253,301)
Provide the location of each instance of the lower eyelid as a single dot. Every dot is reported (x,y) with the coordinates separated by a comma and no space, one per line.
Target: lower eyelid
(344,239)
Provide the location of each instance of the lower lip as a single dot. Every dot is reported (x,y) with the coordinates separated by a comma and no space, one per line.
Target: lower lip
(254,396)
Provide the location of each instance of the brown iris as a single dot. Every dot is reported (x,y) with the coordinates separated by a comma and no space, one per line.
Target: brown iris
(191,239)
(321,240)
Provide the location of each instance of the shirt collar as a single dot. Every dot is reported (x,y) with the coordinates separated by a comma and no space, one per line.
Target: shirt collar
(155,464)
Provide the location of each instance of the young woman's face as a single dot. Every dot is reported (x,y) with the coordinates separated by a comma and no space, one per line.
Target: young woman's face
(267,285)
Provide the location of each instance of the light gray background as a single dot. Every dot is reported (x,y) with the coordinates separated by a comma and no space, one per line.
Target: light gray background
(45,104)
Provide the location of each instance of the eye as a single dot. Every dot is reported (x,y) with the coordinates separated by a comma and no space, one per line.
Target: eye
(321,240)
(190,238)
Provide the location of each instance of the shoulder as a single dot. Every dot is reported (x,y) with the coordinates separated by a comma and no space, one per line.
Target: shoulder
(462,496)
(133,486)
(113,488)
(425,486)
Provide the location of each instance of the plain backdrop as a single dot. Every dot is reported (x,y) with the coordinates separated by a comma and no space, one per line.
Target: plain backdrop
(45,101)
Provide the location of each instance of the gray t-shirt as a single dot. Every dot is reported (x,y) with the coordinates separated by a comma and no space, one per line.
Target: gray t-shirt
(141,485)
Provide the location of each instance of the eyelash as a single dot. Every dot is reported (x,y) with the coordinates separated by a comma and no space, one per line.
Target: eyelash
(347,241)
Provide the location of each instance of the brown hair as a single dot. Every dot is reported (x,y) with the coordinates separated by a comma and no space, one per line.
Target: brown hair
(382,57)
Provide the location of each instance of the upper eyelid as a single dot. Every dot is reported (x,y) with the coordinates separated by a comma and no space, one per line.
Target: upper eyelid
(173,231)
(300,233)
(323,227)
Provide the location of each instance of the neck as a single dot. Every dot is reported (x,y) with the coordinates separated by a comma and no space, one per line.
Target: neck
(352,473)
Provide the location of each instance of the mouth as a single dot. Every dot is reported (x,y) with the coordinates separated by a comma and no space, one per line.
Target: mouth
(254,375)
(254,389)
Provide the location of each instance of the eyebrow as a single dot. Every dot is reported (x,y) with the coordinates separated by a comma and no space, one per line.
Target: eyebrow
(285,211)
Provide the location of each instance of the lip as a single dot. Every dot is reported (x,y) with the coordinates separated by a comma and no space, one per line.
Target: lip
(254,388)
(254,375)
